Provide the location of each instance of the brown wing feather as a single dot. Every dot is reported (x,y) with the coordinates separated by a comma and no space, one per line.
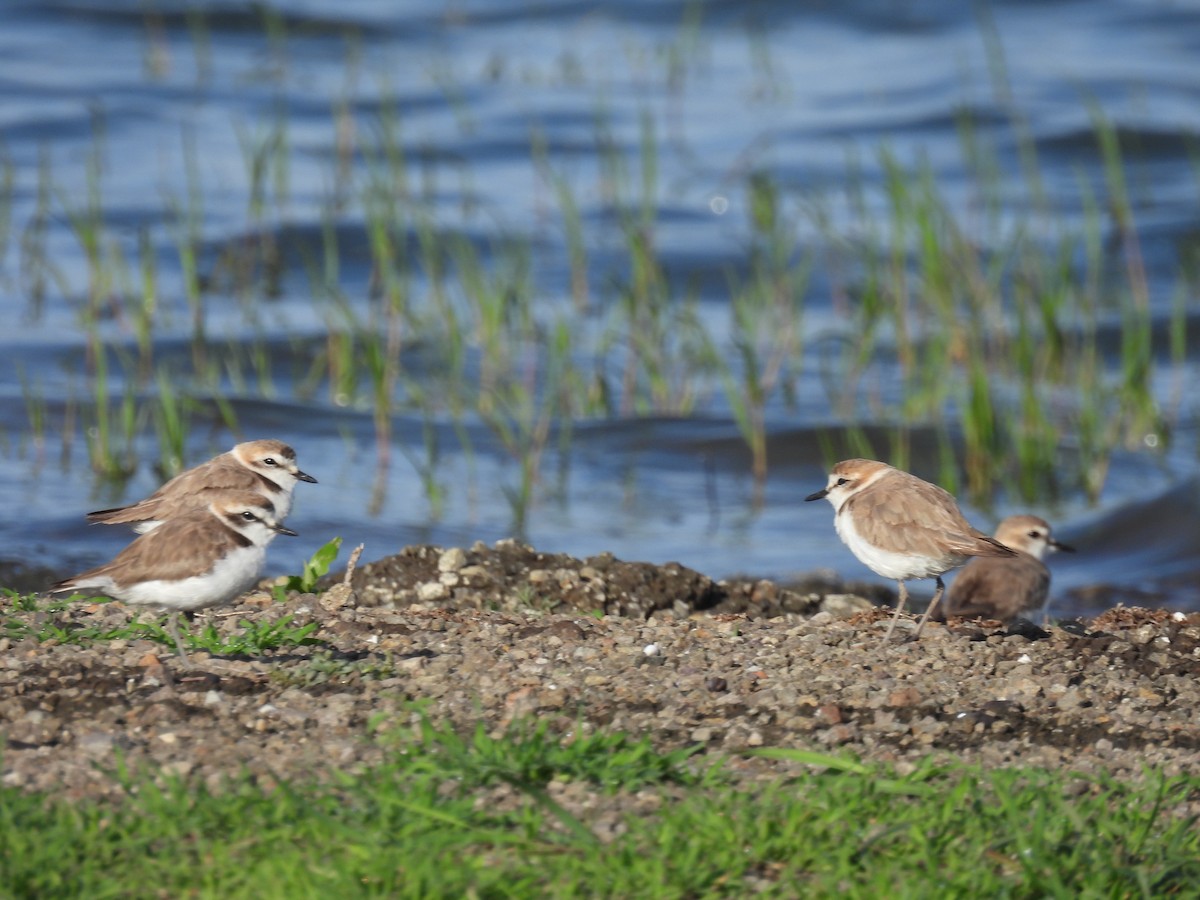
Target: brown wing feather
(918,518)
(999,588)
(190,488)
(176,549)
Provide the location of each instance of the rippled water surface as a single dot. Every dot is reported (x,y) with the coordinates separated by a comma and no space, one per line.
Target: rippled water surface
(139,110)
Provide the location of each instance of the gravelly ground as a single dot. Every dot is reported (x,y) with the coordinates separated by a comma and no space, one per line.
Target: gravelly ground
(494,633)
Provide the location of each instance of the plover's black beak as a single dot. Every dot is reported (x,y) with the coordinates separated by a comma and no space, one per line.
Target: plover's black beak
(818,495)
(281,530)
(302,476)
(1057,546)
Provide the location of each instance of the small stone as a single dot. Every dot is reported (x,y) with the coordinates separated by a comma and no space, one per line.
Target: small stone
(838,734)
(1144,635)
(1071,699)
(431,591)
(97,743)
(452,560)
(340,596)
(178,767)
(843,606)
(829,713)
(904,697)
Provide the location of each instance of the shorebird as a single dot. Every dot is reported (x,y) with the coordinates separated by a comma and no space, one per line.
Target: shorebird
(267,467)
(901,527)
(196,560)
(1005,589)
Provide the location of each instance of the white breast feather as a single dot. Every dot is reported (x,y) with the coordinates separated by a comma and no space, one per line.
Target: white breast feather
(889,564)
(232,575)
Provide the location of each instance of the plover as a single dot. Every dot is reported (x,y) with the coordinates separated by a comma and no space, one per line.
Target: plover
(901,527)
(196,560)
(267,467)
(1005,589)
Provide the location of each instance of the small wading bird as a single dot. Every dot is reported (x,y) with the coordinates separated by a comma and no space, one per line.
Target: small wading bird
(1007,589)
(266,467)
(196,560)
(901,527)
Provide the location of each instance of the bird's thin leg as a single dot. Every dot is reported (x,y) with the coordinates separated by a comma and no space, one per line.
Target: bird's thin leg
(937,596)
(900,601)
(173,628)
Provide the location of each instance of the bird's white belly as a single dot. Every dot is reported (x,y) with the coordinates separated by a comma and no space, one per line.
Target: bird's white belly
(232,575)
(889,563)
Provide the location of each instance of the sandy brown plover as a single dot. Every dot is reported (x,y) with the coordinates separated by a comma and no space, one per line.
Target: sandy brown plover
(901,527)
(267,467)
(196,560)
(1006,589)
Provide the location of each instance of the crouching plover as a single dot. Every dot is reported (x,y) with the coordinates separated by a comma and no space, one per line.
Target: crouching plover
(901,527)
(1007,588)
(267,467)
(199,559)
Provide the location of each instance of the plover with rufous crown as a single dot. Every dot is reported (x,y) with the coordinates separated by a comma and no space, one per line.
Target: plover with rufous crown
(1011,588)
(196,560)
(902,527)
(267,467)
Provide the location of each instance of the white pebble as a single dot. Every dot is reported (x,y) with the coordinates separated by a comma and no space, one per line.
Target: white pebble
(651,650)
(452,560)
(432,590)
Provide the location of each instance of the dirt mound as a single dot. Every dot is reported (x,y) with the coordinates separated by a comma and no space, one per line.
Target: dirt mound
(501,633)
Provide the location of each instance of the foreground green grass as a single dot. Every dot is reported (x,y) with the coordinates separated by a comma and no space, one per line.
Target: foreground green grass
(431,822)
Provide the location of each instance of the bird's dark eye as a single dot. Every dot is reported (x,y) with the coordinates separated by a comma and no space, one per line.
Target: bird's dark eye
(1034,535)
(249,516)
(270,461)
(842,481)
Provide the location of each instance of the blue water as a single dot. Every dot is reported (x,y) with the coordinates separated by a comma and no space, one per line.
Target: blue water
(176,94)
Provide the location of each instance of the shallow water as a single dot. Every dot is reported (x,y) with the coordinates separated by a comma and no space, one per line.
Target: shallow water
(790,88)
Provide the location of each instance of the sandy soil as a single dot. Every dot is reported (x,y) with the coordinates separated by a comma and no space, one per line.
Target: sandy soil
(497,633)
